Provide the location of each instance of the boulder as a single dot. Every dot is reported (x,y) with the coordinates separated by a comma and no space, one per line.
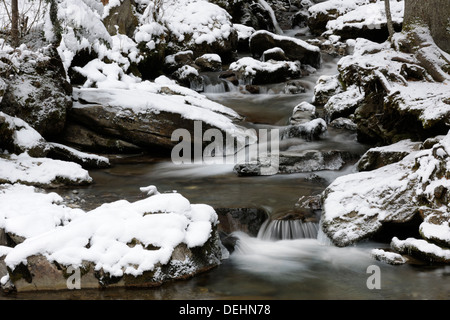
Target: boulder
(378,157)
(189,77)
(37,90)
(121,19)
(310,130)
(343,104)
(407,199)
(149,119)
(276,54)
(344,123)
(248,220)
(166,238)
(388,103)
(296,162)
(209,62)
(367,20)
(321,13)
(91,141)
(253,71)
(294,49)
(17,136)
(304,112)
(326,87)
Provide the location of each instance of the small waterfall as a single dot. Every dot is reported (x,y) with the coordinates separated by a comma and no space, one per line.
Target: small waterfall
(214,84)
(288,229)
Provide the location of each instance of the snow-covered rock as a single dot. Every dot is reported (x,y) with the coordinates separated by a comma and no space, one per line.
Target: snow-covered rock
(323,12)
(367,20)
(17,136)
(141,244)
(310,130)
(294,49)
(378,157)
(357,206)
(147,114)
(390,92)
(253,71)
(295,161)
(36,88)
(43,172)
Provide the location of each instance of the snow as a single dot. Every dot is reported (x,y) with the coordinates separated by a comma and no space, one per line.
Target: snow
(115,235)
(244,32)
(83,156)
(250,66)
(421,245)
(40,171)
(22,205)
(362,201)
(424,98)
(199,20)
(371,15)
(340,6)
(24,135)
(298,42)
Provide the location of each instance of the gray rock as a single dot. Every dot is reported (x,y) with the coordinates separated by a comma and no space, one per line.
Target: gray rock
(294,49)
(38,92)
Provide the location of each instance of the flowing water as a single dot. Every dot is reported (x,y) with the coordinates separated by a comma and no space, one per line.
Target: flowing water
(303,265)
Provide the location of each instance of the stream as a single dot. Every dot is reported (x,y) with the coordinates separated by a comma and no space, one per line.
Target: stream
(259,268)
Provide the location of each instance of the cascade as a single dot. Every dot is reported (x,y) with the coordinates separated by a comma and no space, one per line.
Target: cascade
(288,229)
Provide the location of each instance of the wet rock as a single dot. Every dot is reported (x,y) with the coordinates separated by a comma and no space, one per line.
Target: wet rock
(294,49)
(296,162)
(422,249)
(302,113)
(294,87)
(86,160)
(310,130)
(189,77)
(247,220)
(388,256)
(178,60)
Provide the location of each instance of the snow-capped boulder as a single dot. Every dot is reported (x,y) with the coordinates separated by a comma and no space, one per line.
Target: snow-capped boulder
(295,161)
(378,157)
(388,96)
(148,114)
(252,71)
(36,89)
(209,62)
(412,191)
(141,244)
(310,130)
(367,20)
(326,87)
(294,49)
(303,112)
(17,136)
(43,172)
